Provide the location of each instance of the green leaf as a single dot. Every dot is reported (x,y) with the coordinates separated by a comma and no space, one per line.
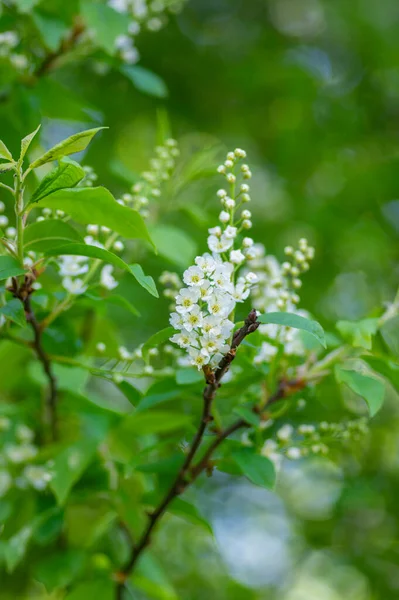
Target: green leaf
(4,167)
(75,143)
(287,319)
(156,339)
(105,23)
(97,205)
(5,153)
(144,423)
(13,310)
(156,399)
(248,415)
(66,175)
(43,236)
(9,267)
(99,589)
(188,375)
(366,386)
(385,367)
(117,300)
(145,281)
(145,81)
(60,568)
(99,253)
(189,512)
(70,465)
(359,333)
(25,143)
(151,579)
(17,546)
(259,469)
(174,244)
(130,392)
(25,6)
(51,29)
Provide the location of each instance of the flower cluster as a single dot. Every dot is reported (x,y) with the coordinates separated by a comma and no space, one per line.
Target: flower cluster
(143,14)
(150,182)
(301,441)
(278,291)
(9,40)
(205,307)
(17,452)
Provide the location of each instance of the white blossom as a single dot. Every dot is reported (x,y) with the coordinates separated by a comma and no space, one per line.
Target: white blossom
(106,278)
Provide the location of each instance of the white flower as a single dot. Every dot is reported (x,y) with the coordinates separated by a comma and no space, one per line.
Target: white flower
(220,304)
(100,347)
(91,241)
(5,482)
(230,232)
(241,292)
(199,358)
(205,289)
(215,231)
(176,320)
(106,279)
(206,263)
(218,245)
(74,286)
(3,221)
(285,432)
(247,242)
(37,476)
(267,351)
(187,299)
(210,345)
(237,257)
(246,214)
(224,217)
(124,353)
(118,246)
(193,319)
(24,433)
(293,453)
(193,276)
(229,203)
(73,265)
(184,338)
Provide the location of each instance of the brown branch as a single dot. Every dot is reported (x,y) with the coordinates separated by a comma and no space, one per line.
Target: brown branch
(184,478)
(23,292)
(66,45)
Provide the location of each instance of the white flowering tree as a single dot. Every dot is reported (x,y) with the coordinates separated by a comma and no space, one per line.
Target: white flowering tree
(238,344)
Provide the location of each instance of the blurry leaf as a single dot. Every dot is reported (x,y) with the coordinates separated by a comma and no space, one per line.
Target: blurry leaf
(386,367)
(95,252)
(188,375)
(75,143)
(146,281)
(4,152)
(51,29)
(97,205)
(72,379)
(26,5)
(287,319)
(248,415)
(100,589)
(120,301)
(43,236)
(25,143)
(155,399)
(60,568)
(259,469)
(188,511)
(152,580)
(105,24)
(390,334)
(174,244)
(146,81)
(130,392)
(9,267)
(48,91)
(155,340)
(13,310)
(369,388)
(4,167)
(67,174)
(359,333)
(70,465)
(156,422)
(16,547)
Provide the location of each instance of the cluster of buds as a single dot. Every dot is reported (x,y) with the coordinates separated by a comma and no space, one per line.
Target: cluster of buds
(90,177)
(171,283)
(150,182)
(9,40)
(18,450)
(205,308)
(142,14)
(10,232)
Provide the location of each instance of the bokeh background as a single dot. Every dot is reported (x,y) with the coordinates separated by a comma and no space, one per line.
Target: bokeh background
(310,89)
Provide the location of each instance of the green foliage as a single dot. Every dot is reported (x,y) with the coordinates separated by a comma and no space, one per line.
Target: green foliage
(297,322)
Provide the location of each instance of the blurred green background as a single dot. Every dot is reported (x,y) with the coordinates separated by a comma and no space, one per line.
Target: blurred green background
(310,89)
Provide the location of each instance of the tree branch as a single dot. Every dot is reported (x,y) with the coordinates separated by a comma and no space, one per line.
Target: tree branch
(184,477)
(23,292)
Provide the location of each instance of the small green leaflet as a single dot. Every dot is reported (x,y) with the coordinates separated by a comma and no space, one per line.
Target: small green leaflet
(115,300)
(249,416)
(99,588)
(25,143)
(145,81)
(105,23)
(17,546)
(130,392)
(66,175)
(95,252)
(13,310)
(359,333)
(174,244)
(188,375)
(157,339)
(188,511)
(75,143)
(144,423)
(368,387)
(4,167)
(97,205)
(69,466)
(42,236)
(9,267)
(259,469)
(145,281)
(4,152)
(297,322)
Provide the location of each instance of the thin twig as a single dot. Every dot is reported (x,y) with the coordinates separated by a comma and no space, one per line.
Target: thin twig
(66,45)
(184,478)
